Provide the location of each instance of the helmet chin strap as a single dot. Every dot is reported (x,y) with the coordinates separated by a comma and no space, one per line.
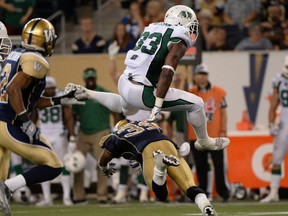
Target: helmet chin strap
(33,48)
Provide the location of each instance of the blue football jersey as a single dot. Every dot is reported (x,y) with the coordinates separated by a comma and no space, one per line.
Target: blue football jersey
(30,63)
(130,140)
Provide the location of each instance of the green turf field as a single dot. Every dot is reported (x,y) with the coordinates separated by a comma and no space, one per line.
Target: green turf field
(237,208)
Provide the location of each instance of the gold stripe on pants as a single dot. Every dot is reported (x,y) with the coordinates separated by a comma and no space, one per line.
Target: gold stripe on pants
(37,154)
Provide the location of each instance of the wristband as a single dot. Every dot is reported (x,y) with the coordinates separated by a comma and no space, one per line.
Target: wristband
(169,67)
(55,101)
(159,102)
(104,167)
(23,116)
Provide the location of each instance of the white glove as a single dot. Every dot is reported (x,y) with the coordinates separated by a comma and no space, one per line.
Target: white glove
(155,114)
(28,127)
(72,144)
(108,170)
(31,130)
(273,129)
(113,49)
(135,165)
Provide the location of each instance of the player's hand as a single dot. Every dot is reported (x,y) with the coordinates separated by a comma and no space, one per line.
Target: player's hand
(28,127)
(113,49)
(135,165)
(80,92)
(108,170)
(31,130)
(155,114)
(273,129)
(72,144)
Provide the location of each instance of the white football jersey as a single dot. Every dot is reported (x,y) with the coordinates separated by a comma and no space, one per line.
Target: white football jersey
(144,62)
(51,121)
(281,83)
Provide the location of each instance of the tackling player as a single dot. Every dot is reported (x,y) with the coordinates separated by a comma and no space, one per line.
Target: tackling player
(280,148)
(150,67)
(22,81)
(144,142)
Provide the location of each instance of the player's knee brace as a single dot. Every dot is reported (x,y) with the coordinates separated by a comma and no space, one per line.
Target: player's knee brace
(193,191)
(160,191)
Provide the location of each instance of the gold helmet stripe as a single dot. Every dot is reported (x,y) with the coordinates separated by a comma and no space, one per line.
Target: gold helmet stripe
(31,31)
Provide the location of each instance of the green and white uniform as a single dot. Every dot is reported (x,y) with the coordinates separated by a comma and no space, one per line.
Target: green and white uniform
(51,124)
(144,65)
(280,82)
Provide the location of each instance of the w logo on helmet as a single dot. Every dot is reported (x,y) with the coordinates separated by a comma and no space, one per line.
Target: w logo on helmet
(185,14)
(49,35)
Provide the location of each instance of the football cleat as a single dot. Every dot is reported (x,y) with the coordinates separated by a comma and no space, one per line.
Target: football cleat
(44,203)
(212,144)
(67,202)
(80,92)
(162,160)
(120,197)
(5,196)
(209,211)
(270,198)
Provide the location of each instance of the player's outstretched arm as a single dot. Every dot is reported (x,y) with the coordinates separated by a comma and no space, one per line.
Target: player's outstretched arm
(107,168)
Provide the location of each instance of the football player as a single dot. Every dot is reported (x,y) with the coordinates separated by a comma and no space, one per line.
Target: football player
(54,123)
(150,67)
(5,43)
(21,83)
(144,142)
(280,131)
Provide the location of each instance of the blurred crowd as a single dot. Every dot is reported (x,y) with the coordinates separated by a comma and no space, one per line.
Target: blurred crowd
(224,24)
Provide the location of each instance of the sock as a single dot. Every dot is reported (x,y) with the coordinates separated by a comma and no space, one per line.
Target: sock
(159,177)
(141,179)
(202,201)
(124,174)
(46,188)
(40,174)
(66,186)
(110,100)
(276,177)
(122,187)
(198,121)
(15,183)
(18,169)
(275,181)
(160,191)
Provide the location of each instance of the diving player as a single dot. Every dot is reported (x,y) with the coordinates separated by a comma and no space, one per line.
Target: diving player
(144,142)
(150,66)
(22,81)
